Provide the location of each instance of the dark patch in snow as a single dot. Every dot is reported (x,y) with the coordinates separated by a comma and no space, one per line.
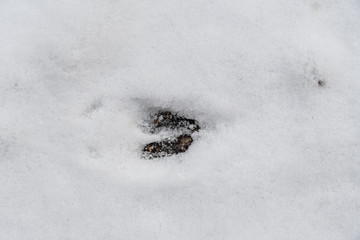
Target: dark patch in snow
(95,105)
(321,83)
(317,77)
(167,147)
(166,120)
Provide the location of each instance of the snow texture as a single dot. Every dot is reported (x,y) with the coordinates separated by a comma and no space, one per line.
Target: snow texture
(278,155)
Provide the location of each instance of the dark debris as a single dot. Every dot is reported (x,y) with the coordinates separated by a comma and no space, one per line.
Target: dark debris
(321,83)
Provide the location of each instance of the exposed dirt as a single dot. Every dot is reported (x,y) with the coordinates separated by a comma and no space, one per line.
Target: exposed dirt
(166,120)
(171,121)
(168,146)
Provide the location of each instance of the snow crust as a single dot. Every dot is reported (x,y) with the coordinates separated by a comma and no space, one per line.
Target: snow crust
(277,156)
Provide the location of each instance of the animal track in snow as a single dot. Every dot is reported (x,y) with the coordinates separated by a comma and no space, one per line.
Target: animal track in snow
(180,126)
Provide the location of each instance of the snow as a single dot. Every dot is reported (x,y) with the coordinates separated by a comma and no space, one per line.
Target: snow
(277,156)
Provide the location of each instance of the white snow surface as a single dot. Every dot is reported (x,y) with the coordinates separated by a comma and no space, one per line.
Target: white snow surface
(278,156)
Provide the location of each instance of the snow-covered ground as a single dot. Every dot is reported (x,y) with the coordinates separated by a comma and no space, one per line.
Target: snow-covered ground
(278,156)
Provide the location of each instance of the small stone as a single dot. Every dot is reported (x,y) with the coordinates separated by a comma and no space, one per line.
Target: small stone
(321,83)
